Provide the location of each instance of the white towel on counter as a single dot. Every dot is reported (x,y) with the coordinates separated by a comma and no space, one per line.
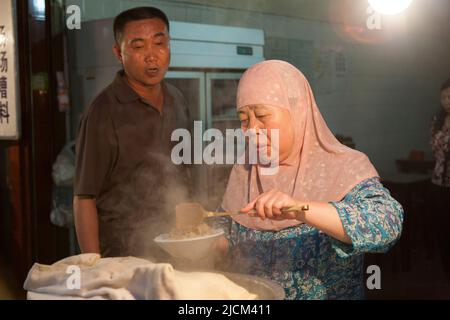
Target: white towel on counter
(177,285)
(128,278)
(106,277)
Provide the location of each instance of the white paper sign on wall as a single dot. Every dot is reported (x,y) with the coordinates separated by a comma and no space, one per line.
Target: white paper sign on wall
(9,100)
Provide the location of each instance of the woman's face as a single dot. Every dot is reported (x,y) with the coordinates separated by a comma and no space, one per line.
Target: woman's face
(266,117)
(445,100)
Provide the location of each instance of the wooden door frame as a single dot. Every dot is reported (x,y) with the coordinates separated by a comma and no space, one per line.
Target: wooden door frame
(29,160)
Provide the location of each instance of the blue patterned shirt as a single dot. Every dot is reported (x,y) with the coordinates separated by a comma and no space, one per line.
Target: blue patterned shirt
(308,263)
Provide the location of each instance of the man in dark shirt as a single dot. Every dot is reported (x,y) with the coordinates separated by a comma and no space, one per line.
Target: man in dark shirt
(126,185)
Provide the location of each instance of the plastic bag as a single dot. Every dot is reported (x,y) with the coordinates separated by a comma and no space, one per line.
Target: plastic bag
(62,209)
(64,167)
(62,194)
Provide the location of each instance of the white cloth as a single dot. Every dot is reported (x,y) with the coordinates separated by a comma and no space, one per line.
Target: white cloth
(42,296)
(126,278)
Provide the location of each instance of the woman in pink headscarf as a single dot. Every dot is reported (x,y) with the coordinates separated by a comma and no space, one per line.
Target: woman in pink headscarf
(315,253)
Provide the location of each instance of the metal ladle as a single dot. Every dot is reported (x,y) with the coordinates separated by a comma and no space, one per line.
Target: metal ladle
(191,214)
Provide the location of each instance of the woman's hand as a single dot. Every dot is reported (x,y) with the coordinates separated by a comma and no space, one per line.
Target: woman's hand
(269,204)
(321,215)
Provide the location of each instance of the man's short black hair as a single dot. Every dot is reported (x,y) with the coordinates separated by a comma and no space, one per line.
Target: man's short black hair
(136,14)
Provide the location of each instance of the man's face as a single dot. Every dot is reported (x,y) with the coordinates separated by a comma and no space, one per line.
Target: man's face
(144,51)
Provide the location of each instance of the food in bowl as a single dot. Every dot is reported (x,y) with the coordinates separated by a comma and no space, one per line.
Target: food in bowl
(197,231)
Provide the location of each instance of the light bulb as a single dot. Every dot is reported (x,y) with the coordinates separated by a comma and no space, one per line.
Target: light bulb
(390,7)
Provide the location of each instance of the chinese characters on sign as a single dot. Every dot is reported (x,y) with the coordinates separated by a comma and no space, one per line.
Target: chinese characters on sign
(8,102)
(4,114)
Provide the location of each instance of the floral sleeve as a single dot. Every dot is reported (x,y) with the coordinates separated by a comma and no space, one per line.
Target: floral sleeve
(371,217)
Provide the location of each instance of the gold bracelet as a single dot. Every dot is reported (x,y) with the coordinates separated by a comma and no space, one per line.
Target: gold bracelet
(303,209)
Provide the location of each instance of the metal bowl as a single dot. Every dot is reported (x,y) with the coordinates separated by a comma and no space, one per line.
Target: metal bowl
(265,289)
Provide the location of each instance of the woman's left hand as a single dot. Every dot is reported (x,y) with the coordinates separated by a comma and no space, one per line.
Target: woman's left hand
(269,204)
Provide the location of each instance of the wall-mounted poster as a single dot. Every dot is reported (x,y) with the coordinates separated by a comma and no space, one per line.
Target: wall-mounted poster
(9,100)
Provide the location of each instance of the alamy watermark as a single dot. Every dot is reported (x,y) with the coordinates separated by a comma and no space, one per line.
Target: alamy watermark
(73,17)
(73,282)
(236,147)
(373,21)
(373,282)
